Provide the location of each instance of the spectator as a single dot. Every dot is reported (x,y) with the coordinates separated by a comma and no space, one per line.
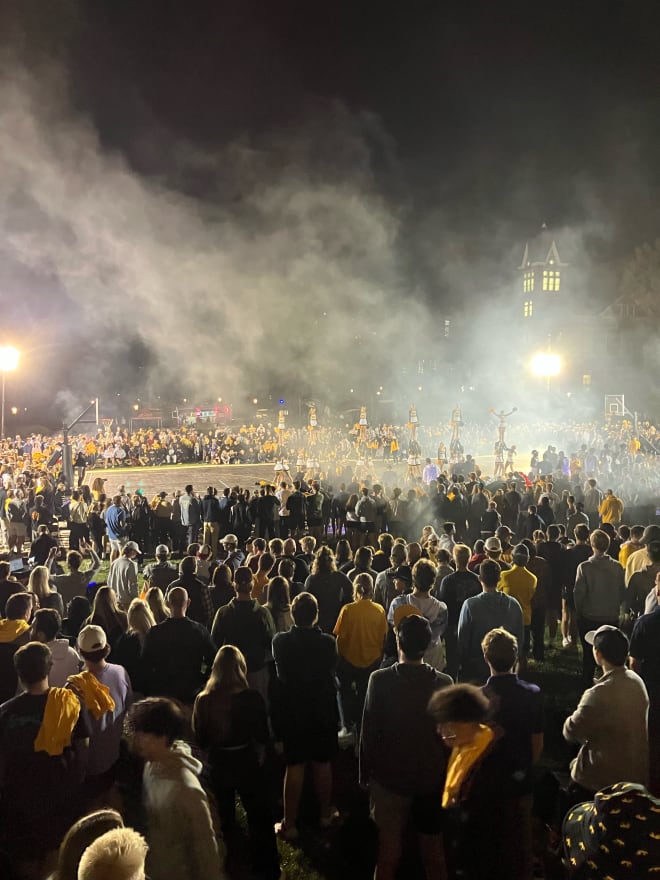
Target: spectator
(180,833)
(401,759)
(65,661)
(14,633)
(44,597)
(81,835)
(43,743)
(200,607)
(331,588)
(128,650)
(123,575)
(645,661)
(360,629)
(230,722)
(157,605)
(599,592)
(75,582)
(454,589)
(420,601)
(520,583)
(118,854)
(479,615)
(222,586)
(384,587)
(177,653)
(610,721)
(305,714)
(160,573)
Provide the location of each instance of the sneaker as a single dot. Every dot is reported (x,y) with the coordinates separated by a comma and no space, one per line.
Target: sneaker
(565,642)
(331,819)
(286,832)
(345,738)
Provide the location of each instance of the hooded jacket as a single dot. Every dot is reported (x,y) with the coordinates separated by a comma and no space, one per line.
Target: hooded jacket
(66,662)
(181,836)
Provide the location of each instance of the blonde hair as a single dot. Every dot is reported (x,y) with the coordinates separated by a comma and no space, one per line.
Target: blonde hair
(156,603)
(140,618)
(38,583)
(79,837)
(116,855)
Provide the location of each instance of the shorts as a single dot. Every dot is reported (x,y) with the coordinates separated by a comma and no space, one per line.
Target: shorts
(391,811)
(118,544)
(318,745)
(568,597)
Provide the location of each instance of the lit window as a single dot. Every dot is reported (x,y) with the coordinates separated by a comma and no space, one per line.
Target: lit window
(551,279)
(528,308)
(528,282)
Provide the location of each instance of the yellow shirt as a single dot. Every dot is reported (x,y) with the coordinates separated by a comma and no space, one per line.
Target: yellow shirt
(361,629)
(611,509)
(627,551)
(521,584)
(461,761)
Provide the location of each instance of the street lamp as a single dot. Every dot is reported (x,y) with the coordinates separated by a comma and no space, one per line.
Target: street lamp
(546,365)
(8,362)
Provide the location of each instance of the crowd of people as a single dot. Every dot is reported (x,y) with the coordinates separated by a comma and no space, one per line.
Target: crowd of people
(299,619)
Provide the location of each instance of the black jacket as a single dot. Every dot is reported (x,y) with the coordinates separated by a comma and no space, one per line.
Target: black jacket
(176,658)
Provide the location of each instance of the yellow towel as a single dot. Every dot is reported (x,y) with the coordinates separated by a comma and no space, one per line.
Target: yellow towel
(60,717)
(94,695)
(10,630)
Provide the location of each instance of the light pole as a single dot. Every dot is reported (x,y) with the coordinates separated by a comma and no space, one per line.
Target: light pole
(8,362)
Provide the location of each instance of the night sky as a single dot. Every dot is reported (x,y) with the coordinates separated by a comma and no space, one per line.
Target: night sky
(476,122)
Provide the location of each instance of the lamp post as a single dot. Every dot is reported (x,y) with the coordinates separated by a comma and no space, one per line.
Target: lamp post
(8,362)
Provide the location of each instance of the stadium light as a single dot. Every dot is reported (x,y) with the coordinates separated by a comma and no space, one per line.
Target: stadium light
(546,364)
(9,357)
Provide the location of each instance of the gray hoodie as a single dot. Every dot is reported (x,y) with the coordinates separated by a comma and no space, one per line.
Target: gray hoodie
(181,836)
(66,662)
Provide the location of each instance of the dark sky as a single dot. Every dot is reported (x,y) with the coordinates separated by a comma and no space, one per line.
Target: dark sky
(480,120)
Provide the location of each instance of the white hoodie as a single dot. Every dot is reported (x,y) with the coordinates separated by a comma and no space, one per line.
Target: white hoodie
(181,836)
(66,662)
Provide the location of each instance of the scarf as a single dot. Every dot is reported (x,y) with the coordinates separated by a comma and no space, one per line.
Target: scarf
(461,762)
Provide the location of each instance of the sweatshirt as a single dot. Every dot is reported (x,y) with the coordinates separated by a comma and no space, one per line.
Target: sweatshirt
(181,837)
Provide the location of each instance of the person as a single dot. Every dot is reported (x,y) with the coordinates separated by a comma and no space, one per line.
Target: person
(116,525)
(177,653)
(75,582)
(191,515)
(200,607)
(610,722)
(42,545)
(573,556)
(631,546)
(576,517)
(234,555)
(420,600)
(180,832)
(14,633)
(611,508)
(123,575)
(332,589)
(598,593)
(552,551)
(474,792)
(640,558)
(211,519)
(278,602)
(615,834)
(645,661)
(304,712)
(640,596)
(38,585)
(157,605)
(160,573)
(128,650)
(402,761)
(46,625)
(454,589)
(384,588)
(107,614)
(520,583)
(221,587)
(248,625)
(360,630)
(82,834)
(230,722)
(43,743)
(517,711)
(119,854)
(105,691)
(8,586)
(480,614)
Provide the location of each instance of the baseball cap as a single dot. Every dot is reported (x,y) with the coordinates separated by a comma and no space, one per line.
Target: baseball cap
(403,573)
(610,641)
(91,638)
(162,550)
(131,545)
(651,533)
(493,545)
(230,539)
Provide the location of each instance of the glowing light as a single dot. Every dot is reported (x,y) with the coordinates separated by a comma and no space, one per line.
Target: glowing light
(136,407)
(9,357)
(546,364)
(219,400)
(255,400)
(14,410)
